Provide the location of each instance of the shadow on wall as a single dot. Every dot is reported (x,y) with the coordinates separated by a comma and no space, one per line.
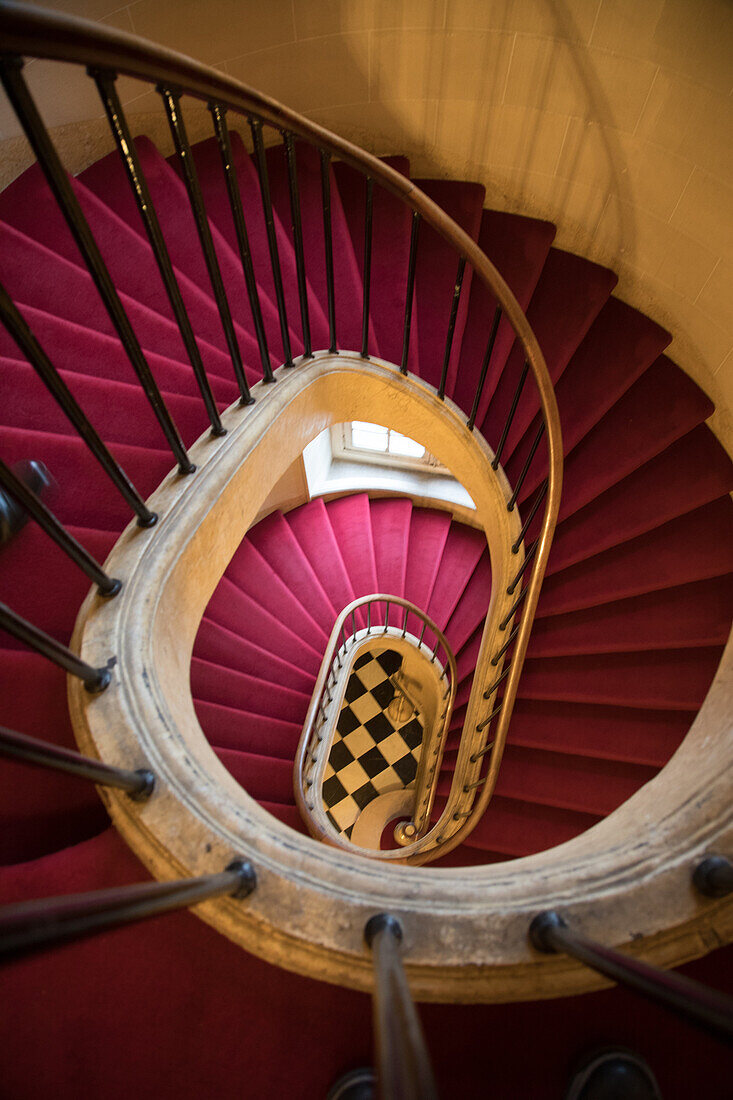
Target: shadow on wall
(447,102)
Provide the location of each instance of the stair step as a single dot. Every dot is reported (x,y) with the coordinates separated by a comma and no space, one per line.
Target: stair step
(85,351)
(276,543)
(514,828)
(390,521)
(662,680)
(101,506)
(230,607)
(569,287)
(228,728)
(264,778)
(626,342)
(313,531)
(659,409)
(252,573)
(692,547)
(518,248)
(220,646)
(428,534)
(690,473)
(609,733)
(691,616)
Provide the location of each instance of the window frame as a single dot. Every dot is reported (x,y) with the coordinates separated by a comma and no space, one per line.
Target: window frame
(342,448)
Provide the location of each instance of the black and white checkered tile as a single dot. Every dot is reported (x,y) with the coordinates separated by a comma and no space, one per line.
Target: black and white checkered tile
(376,746)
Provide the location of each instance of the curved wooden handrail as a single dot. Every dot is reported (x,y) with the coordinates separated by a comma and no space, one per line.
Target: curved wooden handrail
(29,31)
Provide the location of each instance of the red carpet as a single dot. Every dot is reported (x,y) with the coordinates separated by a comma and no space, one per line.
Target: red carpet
(631,623)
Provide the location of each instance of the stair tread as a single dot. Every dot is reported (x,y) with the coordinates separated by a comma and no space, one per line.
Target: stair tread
(518,248)
(107,182)
(391,222)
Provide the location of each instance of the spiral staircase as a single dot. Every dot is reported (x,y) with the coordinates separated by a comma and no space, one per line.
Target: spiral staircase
(630,626)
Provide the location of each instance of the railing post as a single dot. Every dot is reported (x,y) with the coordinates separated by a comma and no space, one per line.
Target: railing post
(410,291)
(484,368)
(705,1008)
(30,925)
(451,326)
(94,679)
(30,750)
(263,176)
(218,114)
(328,242)
(37,510)
(403,1064)
(296,222)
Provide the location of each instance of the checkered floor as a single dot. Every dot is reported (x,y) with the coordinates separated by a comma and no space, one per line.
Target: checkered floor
(377,742)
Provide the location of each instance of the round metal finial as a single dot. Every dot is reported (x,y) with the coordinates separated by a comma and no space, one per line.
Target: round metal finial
(713,877)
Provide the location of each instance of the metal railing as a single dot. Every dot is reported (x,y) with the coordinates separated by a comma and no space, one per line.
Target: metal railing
(705,1008)
(348,639)
(106,54)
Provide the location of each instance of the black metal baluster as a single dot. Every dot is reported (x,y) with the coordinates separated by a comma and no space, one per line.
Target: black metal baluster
(490,690)
(520,572)
(410,290)
(328,241)
(261,162)
(36,356)
(486,721)
(58,181)
(532,513)
(476,756)
(30,750)
(510,613)
(500,653)
(525,468)
(95,679)
(29,925)
(298,241)
(451,326)
(172,102)
(107,586)
(484,368)
(218,114)
(404,1069)
(105,82)
(703,1007)
(510,417)
(368,219)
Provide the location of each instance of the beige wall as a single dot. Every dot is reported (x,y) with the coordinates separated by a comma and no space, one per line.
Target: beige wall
(610,117)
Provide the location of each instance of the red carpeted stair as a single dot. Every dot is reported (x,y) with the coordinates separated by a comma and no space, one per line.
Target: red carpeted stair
(631,624)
